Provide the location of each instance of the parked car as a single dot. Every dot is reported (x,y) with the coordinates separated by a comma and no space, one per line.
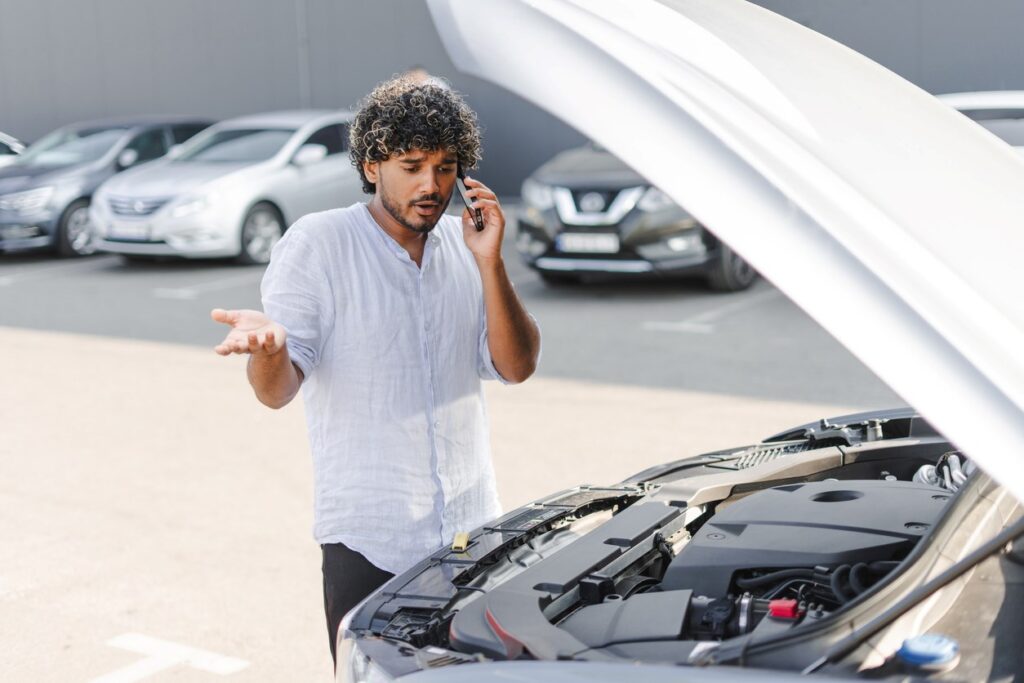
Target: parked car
(1001,112)
(10,148)
(232,191)
(585,212)
(45,194)
(875,545)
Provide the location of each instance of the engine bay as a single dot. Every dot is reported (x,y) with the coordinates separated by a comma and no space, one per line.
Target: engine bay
(744,544)
(767,562)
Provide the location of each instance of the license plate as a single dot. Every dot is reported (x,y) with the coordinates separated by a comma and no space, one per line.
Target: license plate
(588,243)
(129,231)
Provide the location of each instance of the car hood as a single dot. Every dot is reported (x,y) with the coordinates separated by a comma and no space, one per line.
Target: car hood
(18,177)
(891,219)
(170,178)
(587,167)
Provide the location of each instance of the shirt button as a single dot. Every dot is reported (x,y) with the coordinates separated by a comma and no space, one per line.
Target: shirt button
(437,424)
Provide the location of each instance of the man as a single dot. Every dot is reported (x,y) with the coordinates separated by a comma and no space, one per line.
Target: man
(388,315)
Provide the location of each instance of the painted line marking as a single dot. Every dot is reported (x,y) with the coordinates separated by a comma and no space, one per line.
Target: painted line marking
(36,272)
(702,323)
(193,291)
(162,655)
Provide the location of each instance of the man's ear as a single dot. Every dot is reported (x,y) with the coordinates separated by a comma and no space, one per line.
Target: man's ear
(371,170)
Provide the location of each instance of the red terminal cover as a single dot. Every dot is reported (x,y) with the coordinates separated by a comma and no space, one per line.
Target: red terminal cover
(784,608)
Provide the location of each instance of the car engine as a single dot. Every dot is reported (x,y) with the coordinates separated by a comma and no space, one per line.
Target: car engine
(761,562)
(740,545)
(788,553)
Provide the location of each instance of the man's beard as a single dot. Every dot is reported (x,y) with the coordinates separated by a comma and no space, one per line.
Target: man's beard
(392,208)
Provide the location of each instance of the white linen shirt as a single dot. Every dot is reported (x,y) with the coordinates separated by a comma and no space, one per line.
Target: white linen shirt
(393,356)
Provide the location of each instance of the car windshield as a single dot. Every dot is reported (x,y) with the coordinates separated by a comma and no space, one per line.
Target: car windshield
(72,146)
(237,144)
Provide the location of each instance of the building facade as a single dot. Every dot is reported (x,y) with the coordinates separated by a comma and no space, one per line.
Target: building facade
(63,61)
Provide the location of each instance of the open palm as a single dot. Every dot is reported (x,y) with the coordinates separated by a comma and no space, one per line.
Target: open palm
(251,332)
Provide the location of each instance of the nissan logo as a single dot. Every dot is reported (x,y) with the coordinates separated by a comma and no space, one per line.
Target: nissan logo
(592,202)
(139,207)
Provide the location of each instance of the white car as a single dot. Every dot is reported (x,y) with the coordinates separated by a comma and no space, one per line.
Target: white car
(1001,112)
(10,148)
(232,190)
(890,219)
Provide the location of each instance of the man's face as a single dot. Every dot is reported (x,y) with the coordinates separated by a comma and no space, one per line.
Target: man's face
(415,187)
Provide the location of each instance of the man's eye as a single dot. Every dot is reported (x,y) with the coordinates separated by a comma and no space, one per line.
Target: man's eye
(447,169)
(411,169)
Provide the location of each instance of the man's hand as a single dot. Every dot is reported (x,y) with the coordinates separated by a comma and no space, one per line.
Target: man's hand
(485,244)
(251,332)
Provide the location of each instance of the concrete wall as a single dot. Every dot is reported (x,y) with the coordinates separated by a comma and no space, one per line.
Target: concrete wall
(68,60)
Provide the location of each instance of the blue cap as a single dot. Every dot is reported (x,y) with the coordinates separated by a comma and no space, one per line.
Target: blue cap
(928,650)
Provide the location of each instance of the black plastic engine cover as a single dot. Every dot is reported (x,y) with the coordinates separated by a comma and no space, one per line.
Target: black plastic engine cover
(824,523)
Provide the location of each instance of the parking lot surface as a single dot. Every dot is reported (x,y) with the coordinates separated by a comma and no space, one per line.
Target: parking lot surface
(157,518)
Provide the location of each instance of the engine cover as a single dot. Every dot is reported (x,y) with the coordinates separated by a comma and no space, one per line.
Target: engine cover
(825,523)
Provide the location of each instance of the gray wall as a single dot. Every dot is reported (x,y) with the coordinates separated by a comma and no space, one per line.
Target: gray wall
(68,60)
(941,45)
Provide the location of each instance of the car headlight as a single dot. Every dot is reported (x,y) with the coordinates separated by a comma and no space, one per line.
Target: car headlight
(655,200)
(27,202)
(537,195)
(354,666)
(191,205)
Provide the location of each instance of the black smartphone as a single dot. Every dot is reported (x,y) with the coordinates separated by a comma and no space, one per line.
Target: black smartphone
(478,216)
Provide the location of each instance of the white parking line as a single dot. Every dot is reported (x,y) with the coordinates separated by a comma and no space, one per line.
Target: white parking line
(162,655)
(702,322)
(193,291)
(26,273)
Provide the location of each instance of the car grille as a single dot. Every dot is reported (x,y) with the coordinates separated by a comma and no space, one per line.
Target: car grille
(134,206)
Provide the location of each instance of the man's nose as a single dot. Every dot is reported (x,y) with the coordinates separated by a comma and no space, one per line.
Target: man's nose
(430,182)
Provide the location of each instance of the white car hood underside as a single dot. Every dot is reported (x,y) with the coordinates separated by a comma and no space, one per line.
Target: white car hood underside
(891,219)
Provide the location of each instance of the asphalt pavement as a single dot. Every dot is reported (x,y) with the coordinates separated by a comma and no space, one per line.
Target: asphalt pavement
(670,334)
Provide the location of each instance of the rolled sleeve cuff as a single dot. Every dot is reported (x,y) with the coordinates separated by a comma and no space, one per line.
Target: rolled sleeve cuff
(487,370)
(301,355)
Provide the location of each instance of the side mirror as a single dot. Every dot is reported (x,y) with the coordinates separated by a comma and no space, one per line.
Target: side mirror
(127,158)
(174,152)
(309,154)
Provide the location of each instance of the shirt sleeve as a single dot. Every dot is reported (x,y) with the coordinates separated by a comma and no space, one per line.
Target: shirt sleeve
(485,365)
(296,294)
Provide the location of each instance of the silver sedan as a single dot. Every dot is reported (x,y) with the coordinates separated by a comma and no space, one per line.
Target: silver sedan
(232,190)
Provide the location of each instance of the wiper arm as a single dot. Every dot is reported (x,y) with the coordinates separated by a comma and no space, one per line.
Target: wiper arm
(916,596)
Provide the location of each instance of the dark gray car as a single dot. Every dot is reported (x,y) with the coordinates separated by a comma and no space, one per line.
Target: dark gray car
(585,212)
(45,194)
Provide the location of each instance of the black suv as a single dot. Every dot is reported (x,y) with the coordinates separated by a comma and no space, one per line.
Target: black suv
(585,213)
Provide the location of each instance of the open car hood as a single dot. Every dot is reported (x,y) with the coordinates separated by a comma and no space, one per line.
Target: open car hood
(891,219)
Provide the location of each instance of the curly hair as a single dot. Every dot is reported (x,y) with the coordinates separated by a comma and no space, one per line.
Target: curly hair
(403,114)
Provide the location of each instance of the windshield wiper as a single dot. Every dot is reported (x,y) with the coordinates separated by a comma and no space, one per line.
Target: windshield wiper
(851,642)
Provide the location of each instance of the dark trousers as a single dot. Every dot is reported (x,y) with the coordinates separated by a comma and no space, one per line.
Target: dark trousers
(348,578)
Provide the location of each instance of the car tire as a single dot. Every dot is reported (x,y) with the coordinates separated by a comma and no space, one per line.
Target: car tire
(75,236)
(261,229)
(557,279)
(730,273)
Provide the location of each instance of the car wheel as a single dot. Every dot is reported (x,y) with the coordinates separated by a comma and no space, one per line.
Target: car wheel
(75,236)
(730,273)
(261,230)
(558,279)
